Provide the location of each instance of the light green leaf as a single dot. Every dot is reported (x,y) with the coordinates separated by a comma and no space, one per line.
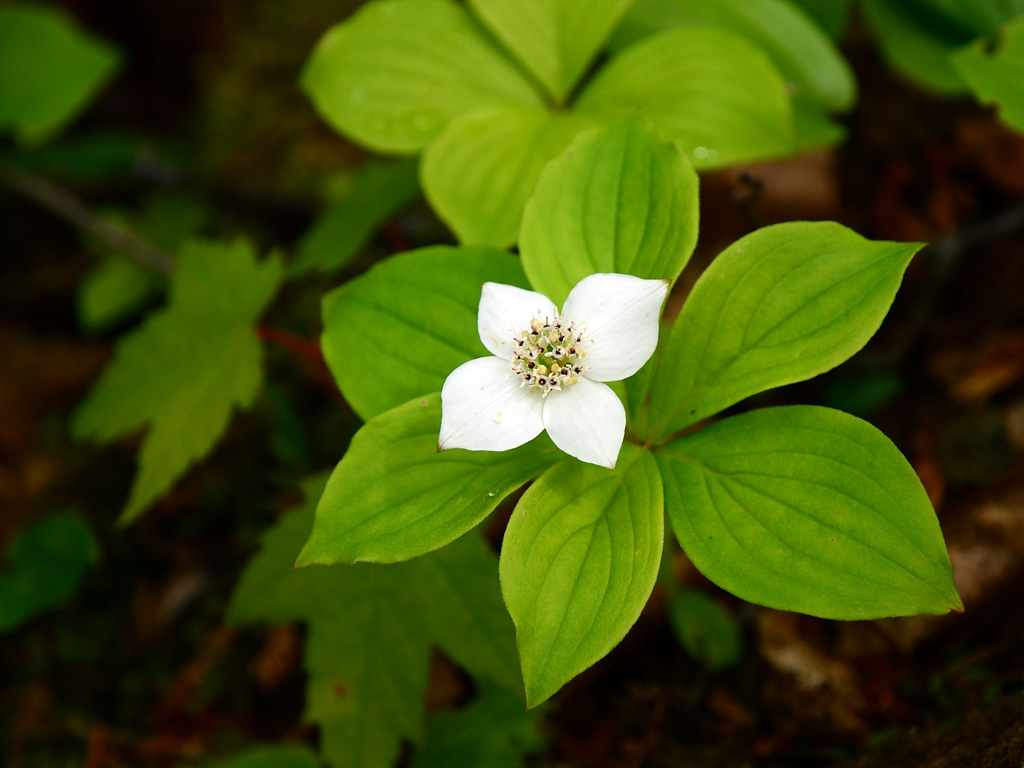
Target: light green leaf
(271,756)
(399,330)
(374,192)
(783,304)
(831,15)
(44,562)
(706,630)
(50,69)
(369,633)
(579,560)
(815,129)
(619,199)
(553,39)
(808,509)
(998,78)
(803,53)
(394,496)
(397,72)
(183,372)
(711,90)
(479,172)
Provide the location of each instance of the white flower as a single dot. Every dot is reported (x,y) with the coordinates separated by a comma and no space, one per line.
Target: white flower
(547,367)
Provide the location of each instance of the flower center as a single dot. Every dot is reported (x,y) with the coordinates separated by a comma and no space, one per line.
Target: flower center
(547,355)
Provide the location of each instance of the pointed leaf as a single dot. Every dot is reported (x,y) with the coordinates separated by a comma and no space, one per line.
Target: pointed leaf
(579,560)
(998,77)
(783,304)
(808,509)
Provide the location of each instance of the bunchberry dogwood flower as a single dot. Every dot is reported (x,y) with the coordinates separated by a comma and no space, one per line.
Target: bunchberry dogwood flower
(547,367)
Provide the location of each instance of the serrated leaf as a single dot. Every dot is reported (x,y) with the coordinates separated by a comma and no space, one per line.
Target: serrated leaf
(808,509)
(618,199)
(399,330)
(184,371)
(803,53)
(553,39)
(998,77)
(782,304)
(50,69)
(43,565)
(712,91)
(578,562)
(370,629)
(394,496)
(270,756)
(480,171)
(374,193)
(398,71)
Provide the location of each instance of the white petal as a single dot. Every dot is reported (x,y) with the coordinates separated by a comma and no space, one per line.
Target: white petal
(505,311)
(586,420)
(620,316)
(483,408)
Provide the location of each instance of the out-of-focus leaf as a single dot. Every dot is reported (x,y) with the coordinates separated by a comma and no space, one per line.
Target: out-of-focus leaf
(50,69)
(273,756)
(707,631)
(832,15)
(998,77)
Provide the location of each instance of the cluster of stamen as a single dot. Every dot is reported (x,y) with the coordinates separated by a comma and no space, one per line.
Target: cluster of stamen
(548,355)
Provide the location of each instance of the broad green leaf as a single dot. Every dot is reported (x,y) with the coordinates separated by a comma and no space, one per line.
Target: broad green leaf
(374,192)
(394,496)
(578,562)
(398,71)
(783,304)
(270,756)
(50,69)
(480,171)
(370,629)
(711,90)
(803,53)
(187,368)
(831,15)
(998,78)
(44,562)
(492,732)
(815,129)
(553,39)
(808,509)
(706,630)
(619,199)
(399,330)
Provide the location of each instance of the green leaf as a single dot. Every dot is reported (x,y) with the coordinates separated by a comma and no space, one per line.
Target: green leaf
(50,70)
(831,15)
(782,304)
(370,629)
(394,496)
(998,78)
(579,560)
(397,72)
(480,171)
(398,331)
(374,192)
(803,53)
(272,756)
(711,90)
(619,199)
(808,509)
(706,630)
(183,372)
(44,563)
(553,39)
(492,732)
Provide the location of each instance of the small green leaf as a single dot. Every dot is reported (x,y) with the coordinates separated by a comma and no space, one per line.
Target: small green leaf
(711,90)
(50,69)
(619,199)
(112,291)
(579,560)
(271,756)
(707,631)
(369,633)
(394,497)
(397,72)
(185,370)
(479,172)
(554,39)
(998,78)
(808,509)
(782,304)
(375,191)
(399,330)
(44,563)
